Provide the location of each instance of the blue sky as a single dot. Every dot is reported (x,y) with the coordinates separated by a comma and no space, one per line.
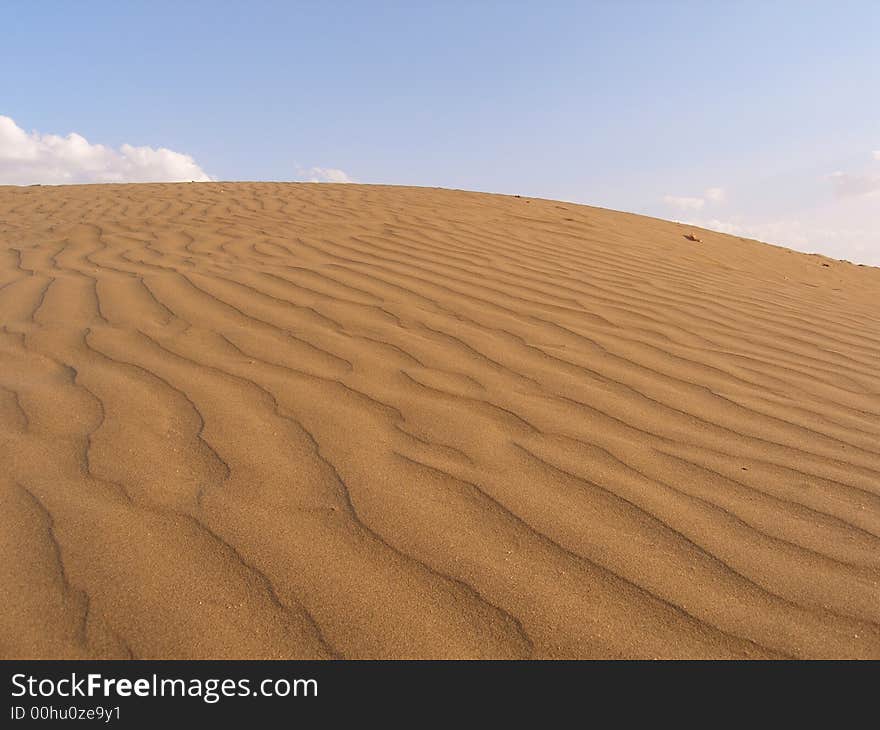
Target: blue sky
(761,118)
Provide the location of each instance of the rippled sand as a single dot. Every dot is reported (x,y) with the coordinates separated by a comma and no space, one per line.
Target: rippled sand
(283,420)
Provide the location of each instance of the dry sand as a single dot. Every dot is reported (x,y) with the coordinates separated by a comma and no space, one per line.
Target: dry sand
(282,420)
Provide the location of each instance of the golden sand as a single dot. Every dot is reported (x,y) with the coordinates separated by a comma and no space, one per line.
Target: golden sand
(287,420)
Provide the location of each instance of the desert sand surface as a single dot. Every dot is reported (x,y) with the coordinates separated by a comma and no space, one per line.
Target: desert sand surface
(340,421)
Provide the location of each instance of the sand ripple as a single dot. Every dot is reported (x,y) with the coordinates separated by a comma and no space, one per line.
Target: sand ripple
(266,420)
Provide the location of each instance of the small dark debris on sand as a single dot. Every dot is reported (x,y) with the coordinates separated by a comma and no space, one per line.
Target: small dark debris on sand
(692,237)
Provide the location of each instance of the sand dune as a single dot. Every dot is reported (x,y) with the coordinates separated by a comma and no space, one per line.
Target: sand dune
(282,420)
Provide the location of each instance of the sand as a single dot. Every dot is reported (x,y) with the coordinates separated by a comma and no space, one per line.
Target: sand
(303,421)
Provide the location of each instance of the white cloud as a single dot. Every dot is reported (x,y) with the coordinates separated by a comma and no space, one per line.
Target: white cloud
(324,174)
(716,195)
(844,228)
(29,158)
(786,232)
(843,222)
(848,184)
(684,202)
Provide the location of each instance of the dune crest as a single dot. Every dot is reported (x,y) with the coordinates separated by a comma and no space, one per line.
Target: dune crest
(285,420)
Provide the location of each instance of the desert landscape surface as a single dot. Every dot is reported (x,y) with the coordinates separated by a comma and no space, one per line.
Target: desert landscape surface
(248,420)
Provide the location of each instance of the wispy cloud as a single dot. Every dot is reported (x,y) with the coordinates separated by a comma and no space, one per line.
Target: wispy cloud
(324,174)
(843,221)
(692,203)
(829,232)
(715,195)
(684,202)
(32,157)
(849,184)
(854,184)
